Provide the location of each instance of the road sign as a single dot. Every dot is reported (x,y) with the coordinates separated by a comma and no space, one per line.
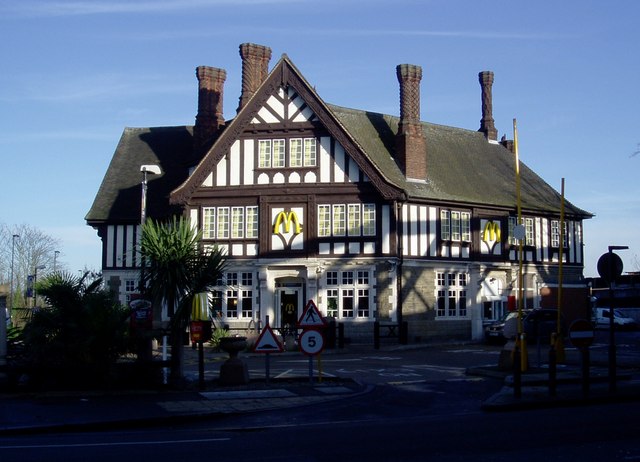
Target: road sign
(581,333)
(610,266)
(311,342)
(311,316)
(267,342)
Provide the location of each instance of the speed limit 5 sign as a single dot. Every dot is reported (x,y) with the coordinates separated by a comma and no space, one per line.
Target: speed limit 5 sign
(311,342)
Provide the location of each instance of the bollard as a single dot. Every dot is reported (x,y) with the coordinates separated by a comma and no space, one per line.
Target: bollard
(517,373)
(552,366)
(376,335)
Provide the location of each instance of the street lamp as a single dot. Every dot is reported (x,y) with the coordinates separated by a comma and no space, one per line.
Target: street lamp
(55,257)
(13,245)
(35,281)
(153,170)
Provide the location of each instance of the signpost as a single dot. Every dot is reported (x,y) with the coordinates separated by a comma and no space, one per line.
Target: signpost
(267,343)
(312,340)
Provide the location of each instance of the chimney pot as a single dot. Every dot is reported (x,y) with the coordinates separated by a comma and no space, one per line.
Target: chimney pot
(411,145)
(255,68)
(487,125)
(209,118)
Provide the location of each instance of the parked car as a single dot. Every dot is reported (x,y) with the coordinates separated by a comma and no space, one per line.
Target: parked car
(602,319)
(536,324)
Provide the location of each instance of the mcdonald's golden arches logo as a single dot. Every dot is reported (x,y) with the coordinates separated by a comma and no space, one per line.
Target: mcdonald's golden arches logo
(491,232)
(287,219)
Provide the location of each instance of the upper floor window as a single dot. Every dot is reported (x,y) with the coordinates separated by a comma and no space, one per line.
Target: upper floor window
(230,222)
(302,152)
(555,234)
(455,226)
(346,219)
(529,234)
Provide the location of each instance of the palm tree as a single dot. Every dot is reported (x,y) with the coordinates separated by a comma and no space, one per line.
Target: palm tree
(80,334)
(178,268)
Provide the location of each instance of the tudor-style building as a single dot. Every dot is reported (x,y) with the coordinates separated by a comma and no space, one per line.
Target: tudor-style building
(373,216)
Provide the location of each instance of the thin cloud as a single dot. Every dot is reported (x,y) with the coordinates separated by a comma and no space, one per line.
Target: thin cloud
(83,8)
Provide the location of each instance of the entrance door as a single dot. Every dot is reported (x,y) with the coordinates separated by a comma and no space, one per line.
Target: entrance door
(288,309)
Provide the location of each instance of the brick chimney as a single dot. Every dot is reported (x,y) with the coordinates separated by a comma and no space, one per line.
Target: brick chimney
(411,145)
(210,117)
(255,68)
(487,125)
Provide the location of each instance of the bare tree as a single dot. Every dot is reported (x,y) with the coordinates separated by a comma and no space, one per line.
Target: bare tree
(33,254)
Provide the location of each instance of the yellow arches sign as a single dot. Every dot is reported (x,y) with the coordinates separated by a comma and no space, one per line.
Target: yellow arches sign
(288,230)
(491,232)
(287,219)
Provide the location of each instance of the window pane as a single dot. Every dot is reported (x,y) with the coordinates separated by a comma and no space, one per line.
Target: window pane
(237,222)
(445,225)
(339,220)
(528,223)
(232,303)
(363,303)
(324,220)
(369,220)
(512,227)
(465,224)
(332,278)
(264,153)
(247,279)
(309,152)
(223,223)
(347,303)
(278,153)
(354,219)
(347,278)
(555,233)
(247,305)
(332,302)
(455,226)
(363,277)
(209,223)
(295,152)
(252,222)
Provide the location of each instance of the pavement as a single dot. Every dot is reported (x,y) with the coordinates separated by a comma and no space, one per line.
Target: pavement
(23,412)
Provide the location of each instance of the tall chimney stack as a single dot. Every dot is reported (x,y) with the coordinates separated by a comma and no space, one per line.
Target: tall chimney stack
(487,125)
(255,68)
(210,116)
(411,145)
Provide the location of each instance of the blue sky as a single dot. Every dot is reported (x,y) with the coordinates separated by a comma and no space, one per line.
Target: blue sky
(75,73)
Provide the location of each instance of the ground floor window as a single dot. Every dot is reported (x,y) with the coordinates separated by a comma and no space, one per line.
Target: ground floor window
(349,294)
(234,297)
(451,295)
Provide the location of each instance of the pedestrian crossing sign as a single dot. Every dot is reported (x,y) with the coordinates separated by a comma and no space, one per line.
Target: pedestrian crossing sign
(311,316)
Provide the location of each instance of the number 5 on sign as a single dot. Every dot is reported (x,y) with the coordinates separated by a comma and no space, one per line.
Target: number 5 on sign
(311,342)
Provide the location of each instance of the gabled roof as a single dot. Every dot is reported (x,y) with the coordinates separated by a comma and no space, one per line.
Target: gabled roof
(283,74)
(462,166)
(118,198)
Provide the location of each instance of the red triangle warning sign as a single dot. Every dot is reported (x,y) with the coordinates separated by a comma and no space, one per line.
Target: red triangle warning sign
(268,342)
(311,316)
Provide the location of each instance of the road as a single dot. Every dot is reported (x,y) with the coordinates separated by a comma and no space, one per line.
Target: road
(421,407)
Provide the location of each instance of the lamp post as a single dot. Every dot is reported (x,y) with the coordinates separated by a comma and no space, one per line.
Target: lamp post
(35,282)
(55,258)
(153,170)
(613,274)
(13,246)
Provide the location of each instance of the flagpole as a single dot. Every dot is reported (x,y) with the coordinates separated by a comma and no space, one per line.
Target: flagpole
(521,340)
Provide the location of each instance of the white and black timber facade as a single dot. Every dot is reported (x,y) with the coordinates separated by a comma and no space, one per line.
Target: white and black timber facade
(373,217)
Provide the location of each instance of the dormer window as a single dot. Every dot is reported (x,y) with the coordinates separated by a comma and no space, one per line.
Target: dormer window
(273,153)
